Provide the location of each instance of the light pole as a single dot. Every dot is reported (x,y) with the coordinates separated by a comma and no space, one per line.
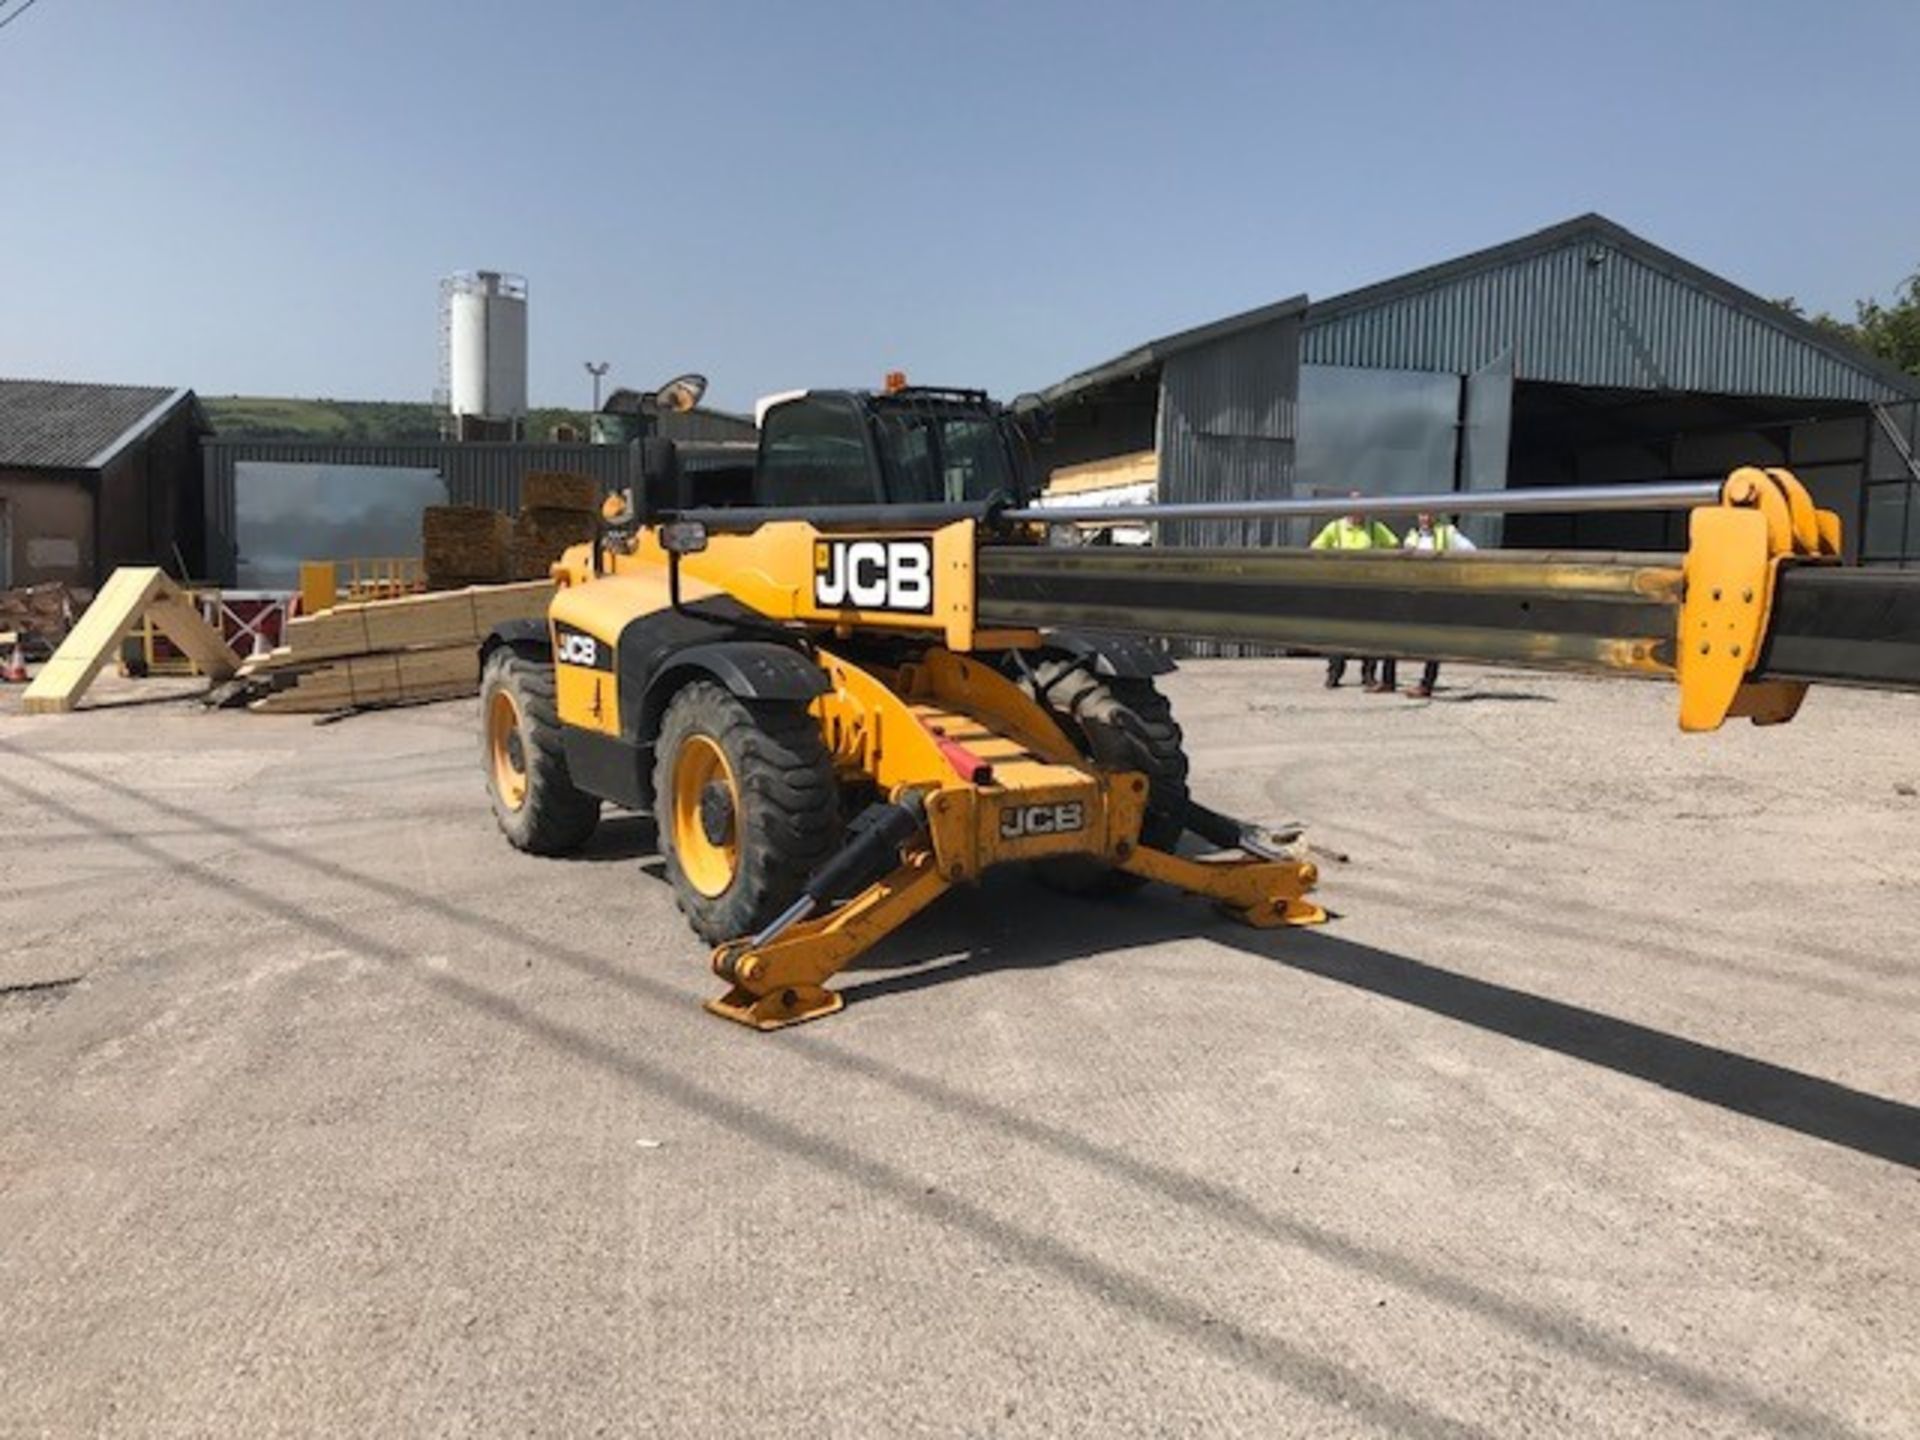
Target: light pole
(597,368)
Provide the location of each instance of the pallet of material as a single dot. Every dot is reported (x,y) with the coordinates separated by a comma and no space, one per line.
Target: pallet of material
(1136,468)
(557,490)
(465,545)
(41,614)
(387,652)
(411,622)
(404,677)
(540,537)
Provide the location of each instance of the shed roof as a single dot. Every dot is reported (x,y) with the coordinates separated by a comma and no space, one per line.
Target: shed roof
(1588,302)
(69,425)
(1149,356)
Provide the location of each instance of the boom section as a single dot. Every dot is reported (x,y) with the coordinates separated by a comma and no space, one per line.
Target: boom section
(1591,612)
(1756,609)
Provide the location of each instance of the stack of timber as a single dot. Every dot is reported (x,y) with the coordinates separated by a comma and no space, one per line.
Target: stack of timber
(387,652)
(465,545)
(556,510)
(40,615)
(1139,467)
(132,594)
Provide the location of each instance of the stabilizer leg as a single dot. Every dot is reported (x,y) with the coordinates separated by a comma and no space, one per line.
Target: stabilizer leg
(778,982)
(1257,892)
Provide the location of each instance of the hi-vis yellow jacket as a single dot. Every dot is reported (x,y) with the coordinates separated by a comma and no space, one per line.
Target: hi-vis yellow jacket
(1343,534)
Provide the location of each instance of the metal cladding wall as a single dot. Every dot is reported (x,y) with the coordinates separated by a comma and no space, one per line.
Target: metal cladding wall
(1226,432)
(1587,312)
(704,425)
(1227,428)
(1890,513)
(475,473)
(485,473)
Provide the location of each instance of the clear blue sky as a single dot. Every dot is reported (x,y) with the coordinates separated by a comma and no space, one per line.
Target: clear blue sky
(259,196)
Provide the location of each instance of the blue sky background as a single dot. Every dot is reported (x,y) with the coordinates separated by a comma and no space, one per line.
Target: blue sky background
(259,196)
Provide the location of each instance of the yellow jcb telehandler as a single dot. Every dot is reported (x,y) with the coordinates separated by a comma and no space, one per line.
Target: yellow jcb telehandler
(847,672)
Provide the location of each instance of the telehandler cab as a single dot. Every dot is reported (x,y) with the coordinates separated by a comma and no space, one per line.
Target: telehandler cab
(853,675)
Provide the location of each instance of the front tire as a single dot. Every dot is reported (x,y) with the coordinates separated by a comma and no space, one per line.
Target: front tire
(747,807)
(538,807)
(1120,723)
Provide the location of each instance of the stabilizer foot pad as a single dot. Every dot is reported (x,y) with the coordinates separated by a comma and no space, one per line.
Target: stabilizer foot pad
(791,1005)
(1271,916)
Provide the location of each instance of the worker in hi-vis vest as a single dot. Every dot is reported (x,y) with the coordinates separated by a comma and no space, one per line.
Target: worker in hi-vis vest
(1354,531)
(1435,536)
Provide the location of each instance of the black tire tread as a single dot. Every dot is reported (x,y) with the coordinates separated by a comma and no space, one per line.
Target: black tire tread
(789,817)
(558,817)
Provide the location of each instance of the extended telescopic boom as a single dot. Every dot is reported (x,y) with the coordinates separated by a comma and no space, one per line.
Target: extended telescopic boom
(1564,499)
(1757,608)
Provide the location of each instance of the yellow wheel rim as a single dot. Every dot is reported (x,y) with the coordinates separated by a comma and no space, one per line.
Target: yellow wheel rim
(507,750)
(705,818)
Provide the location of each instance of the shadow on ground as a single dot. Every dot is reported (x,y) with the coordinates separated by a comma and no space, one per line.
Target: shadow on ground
(1056,930)
(1474,697)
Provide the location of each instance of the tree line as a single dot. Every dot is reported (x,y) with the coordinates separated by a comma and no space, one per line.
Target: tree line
(1888,330)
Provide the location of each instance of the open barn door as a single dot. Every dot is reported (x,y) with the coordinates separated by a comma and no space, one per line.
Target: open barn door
(1486,434)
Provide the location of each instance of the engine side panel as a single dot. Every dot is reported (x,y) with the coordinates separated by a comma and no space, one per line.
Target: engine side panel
(585,624)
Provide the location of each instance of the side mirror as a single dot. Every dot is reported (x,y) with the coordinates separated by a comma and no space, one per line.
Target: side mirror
(683,537)
(677,396)
(681,393)
(616,511)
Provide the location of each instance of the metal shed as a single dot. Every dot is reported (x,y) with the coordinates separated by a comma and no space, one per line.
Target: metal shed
(1585,354)
(94,476)
(1215,405)
(1578,354)
(1587,302)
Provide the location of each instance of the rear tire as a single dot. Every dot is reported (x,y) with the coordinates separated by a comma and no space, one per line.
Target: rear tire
(747,806)
(539,808)
(1120,723)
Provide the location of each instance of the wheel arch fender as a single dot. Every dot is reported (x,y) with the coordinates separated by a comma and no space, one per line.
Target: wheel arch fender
(748,669)
(530,635)
(1124,657)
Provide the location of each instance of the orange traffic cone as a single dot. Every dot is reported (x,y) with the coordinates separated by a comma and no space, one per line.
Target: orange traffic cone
(15,672)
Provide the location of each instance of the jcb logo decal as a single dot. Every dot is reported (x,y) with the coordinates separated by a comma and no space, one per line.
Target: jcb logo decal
(576,647)
(1018,822)
(874,575)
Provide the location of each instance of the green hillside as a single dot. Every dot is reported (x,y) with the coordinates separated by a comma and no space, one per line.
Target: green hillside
(268,417)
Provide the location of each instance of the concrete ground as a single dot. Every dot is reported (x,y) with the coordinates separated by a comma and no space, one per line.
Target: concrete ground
(1594,1113)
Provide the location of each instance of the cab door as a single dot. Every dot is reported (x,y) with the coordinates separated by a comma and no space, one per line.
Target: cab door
(817,450)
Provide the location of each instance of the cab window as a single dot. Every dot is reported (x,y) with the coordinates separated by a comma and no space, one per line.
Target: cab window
(939,457)
(906,439)
(973,460)
(813,451)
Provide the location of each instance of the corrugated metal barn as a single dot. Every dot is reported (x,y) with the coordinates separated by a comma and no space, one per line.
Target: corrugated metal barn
(322,499)
(1216,404)
(1580,354)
